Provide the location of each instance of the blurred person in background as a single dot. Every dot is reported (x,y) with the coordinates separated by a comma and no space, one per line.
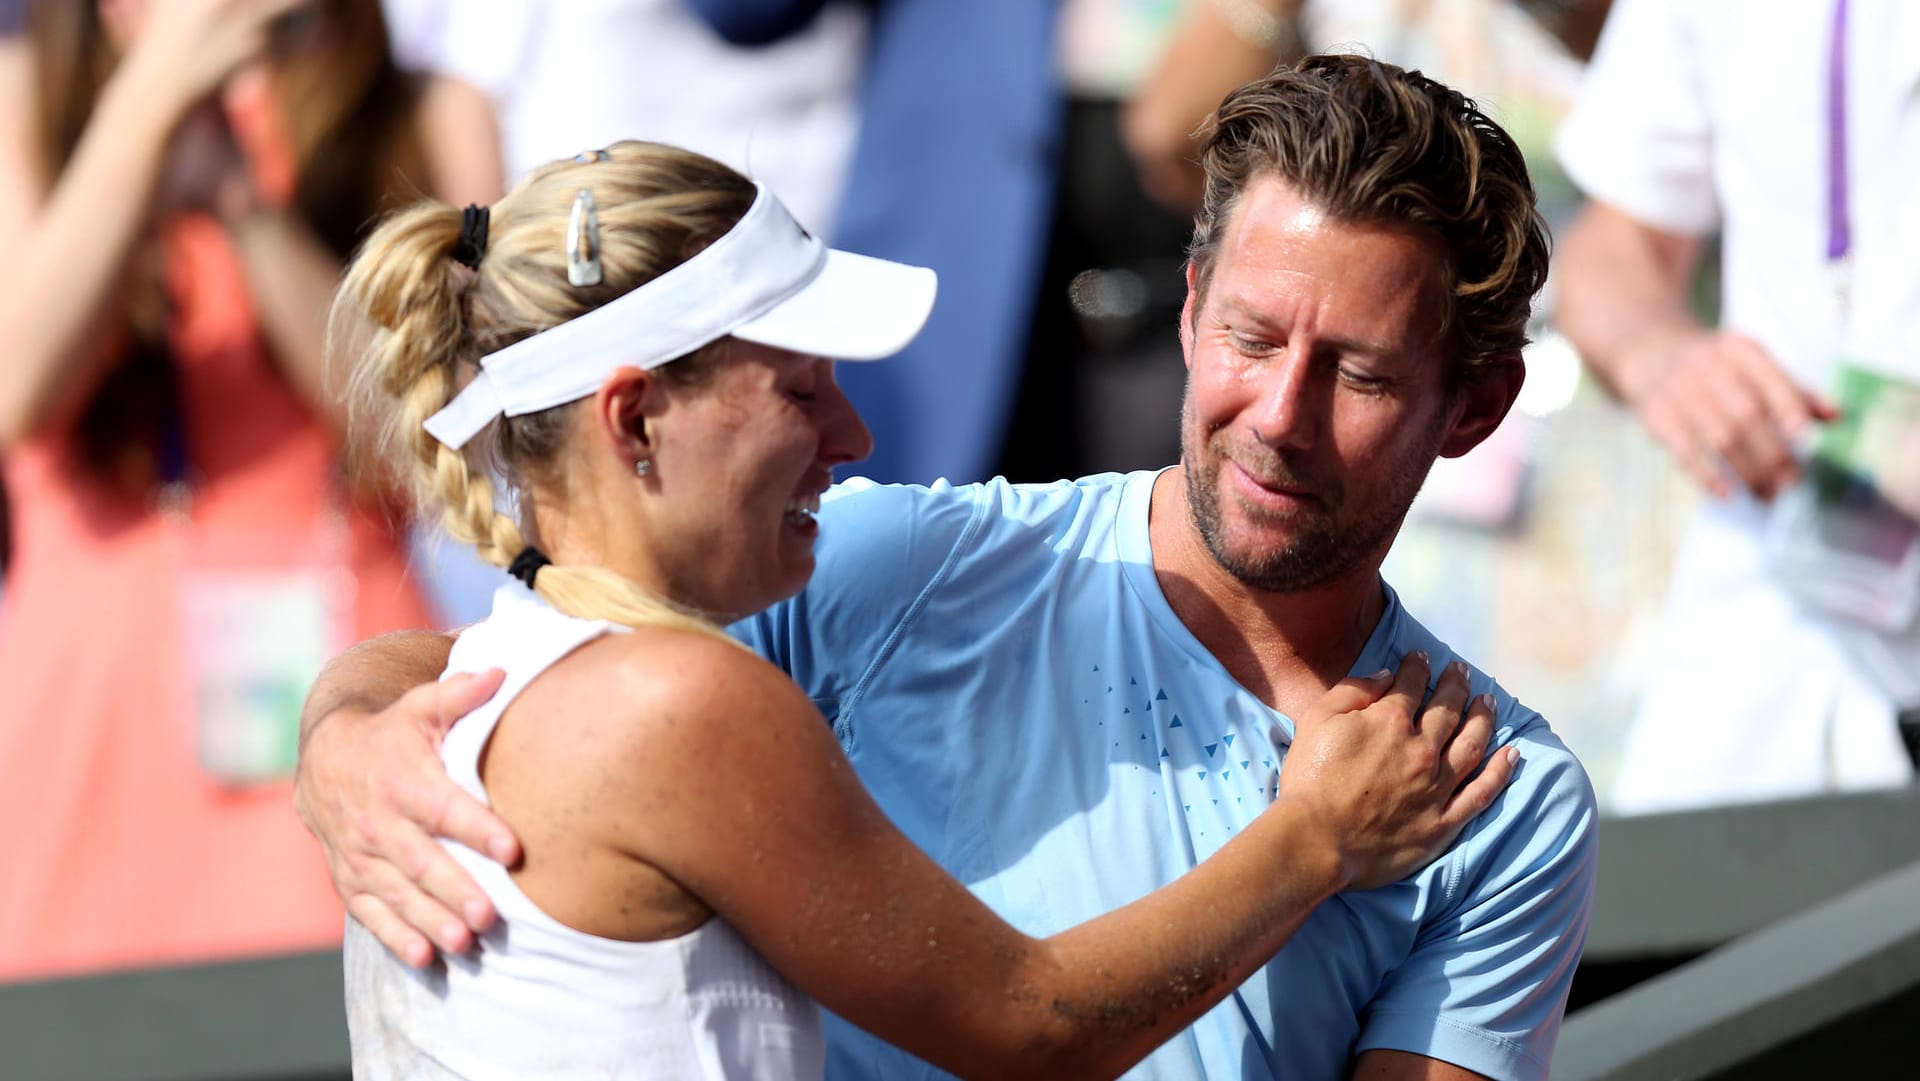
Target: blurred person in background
(1791,128)
(180,181)
(953,168)
(1208,47)
(568,76)
(13,52)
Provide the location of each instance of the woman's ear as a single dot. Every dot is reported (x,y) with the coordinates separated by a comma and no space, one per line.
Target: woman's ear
(628,400)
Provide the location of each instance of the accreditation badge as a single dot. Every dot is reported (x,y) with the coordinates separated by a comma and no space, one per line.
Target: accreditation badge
(256,625)
(1846,540)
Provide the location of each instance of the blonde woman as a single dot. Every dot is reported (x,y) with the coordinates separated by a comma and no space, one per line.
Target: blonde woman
(636,340)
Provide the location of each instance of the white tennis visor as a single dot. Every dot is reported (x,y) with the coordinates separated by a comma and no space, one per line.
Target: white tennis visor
(766,281)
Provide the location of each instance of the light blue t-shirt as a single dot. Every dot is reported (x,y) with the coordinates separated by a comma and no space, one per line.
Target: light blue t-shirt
(1009,681)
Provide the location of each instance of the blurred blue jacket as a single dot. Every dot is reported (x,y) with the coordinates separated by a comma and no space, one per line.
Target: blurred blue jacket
(953,169)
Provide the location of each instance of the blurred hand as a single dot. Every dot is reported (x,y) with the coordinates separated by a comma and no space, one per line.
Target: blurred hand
(1722,405)
(232,154)
(1392,780)
(205,170)
(184,50)
(373,790)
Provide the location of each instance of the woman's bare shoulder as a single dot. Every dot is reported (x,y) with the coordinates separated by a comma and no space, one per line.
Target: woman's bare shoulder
(656,692)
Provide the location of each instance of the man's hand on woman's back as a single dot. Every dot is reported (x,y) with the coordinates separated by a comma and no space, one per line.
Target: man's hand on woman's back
(373,791)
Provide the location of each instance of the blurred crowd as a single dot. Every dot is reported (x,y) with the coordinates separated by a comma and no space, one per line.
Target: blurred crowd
(1693,547)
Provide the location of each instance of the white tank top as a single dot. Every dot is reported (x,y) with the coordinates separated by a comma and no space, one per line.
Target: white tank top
(540,999)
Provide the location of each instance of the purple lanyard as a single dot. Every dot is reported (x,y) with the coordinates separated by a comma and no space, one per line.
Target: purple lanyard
(1839,231)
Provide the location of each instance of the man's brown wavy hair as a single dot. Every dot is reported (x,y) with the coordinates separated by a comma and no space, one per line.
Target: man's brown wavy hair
(1370,143)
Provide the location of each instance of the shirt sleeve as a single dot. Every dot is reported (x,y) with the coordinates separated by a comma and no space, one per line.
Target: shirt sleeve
(755,22)
(882,550)
(1640,136)
(1486,982)
(485,45)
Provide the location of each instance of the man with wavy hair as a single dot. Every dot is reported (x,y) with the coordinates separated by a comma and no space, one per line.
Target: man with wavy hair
(1070,693)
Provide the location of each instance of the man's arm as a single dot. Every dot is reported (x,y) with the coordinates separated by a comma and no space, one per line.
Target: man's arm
(1486,981)
(1640,143)
(1627,292)
(1401,1066)
(1716,399)
(373,791)
(1220,45)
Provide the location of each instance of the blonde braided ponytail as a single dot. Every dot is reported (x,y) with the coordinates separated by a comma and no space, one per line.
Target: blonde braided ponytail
(417,318)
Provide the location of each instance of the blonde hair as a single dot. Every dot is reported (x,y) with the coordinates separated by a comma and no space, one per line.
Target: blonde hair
(432,318)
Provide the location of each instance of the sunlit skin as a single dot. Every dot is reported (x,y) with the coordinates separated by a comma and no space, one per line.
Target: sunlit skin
(122,20)
(734,454)
(215,161)
(1317,398)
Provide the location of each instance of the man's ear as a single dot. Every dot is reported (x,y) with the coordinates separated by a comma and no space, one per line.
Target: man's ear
(1485,394)
(628,400)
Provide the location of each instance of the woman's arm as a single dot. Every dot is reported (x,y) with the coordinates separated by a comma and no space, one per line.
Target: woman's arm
(291,277)
(789,849)
(461,135)
(67,253)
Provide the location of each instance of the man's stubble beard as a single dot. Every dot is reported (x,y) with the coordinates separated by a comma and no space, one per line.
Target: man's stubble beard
(1325,548)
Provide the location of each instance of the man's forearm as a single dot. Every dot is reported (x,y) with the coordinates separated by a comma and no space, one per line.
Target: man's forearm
(373,791)
(1219,45)
(1623,296)
(371,676)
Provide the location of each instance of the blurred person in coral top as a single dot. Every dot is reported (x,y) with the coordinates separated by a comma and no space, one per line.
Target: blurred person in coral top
(180,181)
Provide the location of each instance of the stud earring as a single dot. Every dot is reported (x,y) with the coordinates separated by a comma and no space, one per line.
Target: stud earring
(643,467)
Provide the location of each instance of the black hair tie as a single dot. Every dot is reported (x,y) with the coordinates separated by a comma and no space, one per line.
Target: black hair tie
(527,564)
(474,222)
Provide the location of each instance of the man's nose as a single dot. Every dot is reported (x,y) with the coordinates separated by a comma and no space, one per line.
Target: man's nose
(1289,401)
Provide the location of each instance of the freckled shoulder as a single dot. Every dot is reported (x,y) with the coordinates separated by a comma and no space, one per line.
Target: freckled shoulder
(671,747)
(653,695)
